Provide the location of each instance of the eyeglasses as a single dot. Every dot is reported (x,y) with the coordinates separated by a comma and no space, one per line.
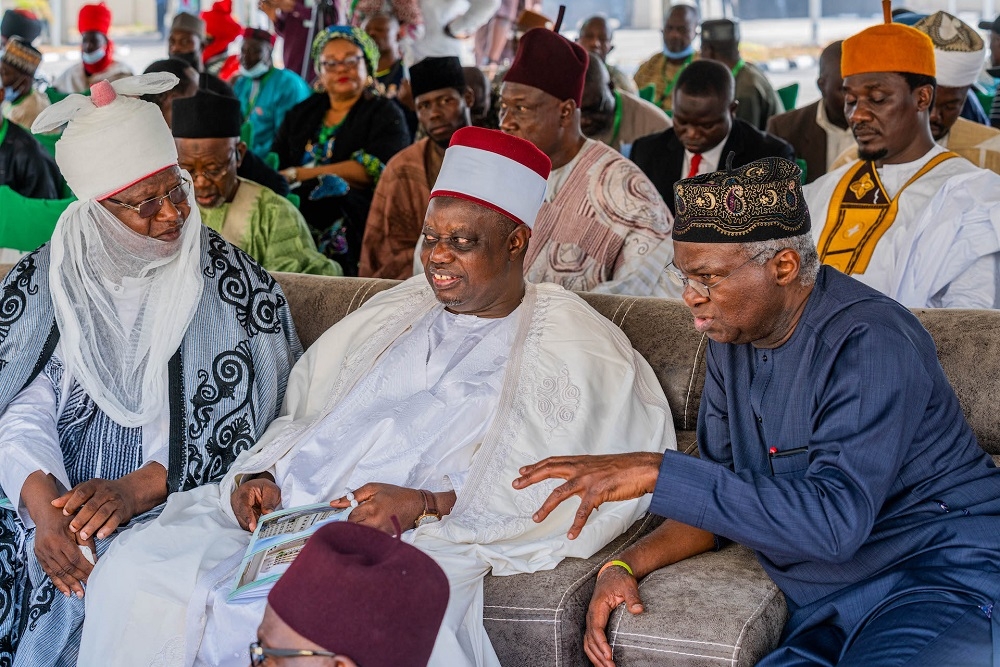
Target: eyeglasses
(701,288)
(259,654)
(212,174)
(349,62)
(150,207)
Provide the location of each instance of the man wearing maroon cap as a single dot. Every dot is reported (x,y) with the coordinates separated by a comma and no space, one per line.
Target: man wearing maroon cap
(603,227)
(396,595)
(416,410)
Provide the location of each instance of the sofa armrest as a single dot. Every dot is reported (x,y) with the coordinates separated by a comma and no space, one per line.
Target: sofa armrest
(713,609)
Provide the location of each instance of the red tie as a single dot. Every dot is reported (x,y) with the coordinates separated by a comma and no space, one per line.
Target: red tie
(695,163)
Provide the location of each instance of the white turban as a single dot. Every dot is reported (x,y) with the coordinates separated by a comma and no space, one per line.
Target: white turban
(958,49)
(112,141)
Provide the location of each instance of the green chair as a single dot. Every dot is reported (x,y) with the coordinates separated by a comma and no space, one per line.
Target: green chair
(28,223)
(788,95)
(648,92)
(802,165)
(48,141)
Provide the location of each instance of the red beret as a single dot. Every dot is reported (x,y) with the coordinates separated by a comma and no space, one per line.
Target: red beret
(548,61)
(359,592)
(94,18)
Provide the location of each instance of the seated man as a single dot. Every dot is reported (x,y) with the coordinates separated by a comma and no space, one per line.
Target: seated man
(400,200)
(818,132)
(342,564)
(662,69)
(268,227)
(25,166)
(597,38)
(616,117)
(186,42)
(909,218)
(22,100)
(757,99)
(482,111)
(97,62)
(19,23)
(830,443)
(603,227)
(135,366)
(425,402)
(706,132)
(187,85)
(265,92)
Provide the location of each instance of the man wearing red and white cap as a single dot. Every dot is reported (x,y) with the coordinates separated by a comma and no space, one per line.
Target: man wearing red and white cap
(423,404)
(603,226)
(97,61)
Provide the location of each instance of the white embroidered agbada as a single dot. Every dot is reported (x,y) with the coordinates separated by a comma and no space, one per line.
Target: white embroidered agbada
(405,393)
(941,250)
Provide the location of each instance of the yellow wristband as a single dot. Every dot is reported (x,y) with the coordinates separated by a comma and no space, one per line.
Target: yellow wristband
(619,563)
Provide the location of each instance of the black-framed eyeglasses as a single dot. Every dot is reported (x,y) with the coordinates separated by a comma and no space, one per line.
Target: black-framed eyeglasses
(150,207)
(350,62)
(682,281)
(260,654)
(212,174)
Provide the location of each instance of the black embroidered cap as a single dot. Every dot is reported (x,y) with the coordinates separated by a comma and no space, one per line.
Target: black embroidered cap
(757,202)
(437,73)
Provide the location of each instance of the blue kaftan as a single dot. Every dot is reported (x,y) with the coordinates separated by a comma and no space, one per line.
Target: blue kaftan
(843,458)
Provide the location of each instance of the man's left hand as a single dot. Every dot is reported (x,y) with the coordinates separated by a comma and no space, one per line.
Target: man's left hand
(100,505)
(378,503)
(596,479)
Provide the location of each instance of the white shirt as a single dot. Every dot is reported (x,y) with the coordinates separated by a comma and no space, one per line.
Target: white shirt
(710,159)
(838,139)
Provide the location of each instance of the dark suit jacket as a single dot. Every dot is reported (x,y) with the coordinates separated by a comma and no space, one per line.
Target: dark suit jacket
(661,156)
(798,127)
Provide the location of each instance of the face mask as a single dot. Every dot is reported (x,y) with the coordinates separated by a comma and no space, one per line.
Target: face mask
(93,57)
(10,95)
(678,55)
(190,58)
(255,72)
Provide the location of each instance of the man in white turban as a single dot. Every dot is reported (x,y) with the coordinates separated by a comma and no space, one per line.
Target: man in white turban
(141,353)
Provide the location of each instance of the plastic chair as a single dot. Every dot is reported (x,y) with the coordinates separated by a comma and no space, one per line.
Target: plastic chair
(648,92)
(804,167)
(28,223)
(788,95)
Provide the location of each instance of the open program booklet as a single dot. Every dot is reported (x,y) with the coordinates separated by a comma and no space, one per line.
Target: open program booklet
(276,542)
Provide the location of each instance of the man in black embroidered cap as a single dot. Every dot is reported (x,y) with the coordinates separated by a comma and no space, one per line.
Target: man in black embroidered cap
(206,129)
(826,428)
(757,99)
(442,100)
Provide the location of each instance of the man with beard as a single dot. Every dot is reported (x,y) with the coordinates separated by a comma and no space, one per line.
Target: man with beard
(909,218)
(186,42)
(400,201)
(616,117)
(268,227)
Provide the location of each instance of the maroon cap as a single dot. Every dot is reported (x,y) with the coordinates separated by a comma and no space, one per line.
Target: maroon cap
(548,61)
(359,592)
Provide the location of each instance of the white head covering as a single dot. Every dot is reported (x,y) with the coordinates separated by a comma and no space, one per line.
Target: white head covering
(959,51)
(101,269)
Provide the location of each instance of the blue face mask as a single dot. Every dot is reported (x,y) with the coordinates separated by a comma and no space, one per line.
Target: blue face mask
(93,57)
(10,95)
(679,55)
(257,71)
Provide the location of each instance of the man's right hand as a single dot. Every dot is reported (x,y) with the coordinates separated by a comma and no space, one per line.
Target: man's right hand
(254,498)
(58,552)
(614,586)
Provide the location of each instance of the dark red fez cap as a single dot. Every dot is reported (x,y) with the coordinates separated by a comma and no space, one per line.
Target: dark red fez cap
(548,61)
(260,35)
(359,592)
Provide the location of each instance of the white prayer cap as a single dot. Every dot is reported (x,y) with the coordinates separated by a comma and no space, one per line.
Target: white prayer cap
(111,141)
(496,170)
(959,51)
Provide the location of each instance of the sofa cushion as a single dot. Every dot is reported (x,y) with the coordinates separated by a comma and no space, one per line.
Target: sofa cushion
(539,618)
(714,609)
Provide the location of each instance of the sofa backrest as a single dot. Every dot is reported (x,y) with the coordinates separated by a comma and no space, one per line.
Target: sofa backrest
(968,343)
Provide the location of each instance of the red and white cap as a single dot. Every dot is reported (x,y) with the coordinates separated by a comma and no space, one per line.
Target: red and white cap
(495,170)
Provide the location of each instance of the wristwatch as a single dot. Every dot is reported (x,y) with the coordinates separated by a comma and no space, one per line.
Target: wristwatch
(430,513)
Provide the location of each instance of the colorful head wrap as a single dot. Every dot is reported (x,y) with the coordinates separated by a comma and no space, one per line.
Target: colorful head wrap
(758,202)
(352,34)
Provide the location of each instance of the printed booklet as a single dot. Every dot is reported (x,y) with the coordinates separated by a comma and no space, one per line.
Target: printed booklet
(275,543)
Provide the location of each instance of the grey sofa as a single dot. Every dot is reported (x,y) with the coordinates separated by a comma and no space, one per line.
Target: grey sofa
(717,608)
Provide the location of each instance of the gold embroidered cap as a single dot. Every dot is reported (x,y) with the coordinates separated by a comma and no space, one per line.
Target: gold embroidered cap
(757,202)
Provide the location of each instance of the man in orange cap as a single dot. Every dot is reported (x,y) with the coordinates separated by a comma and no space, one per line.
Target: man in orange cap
(96,53)
(909,218)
